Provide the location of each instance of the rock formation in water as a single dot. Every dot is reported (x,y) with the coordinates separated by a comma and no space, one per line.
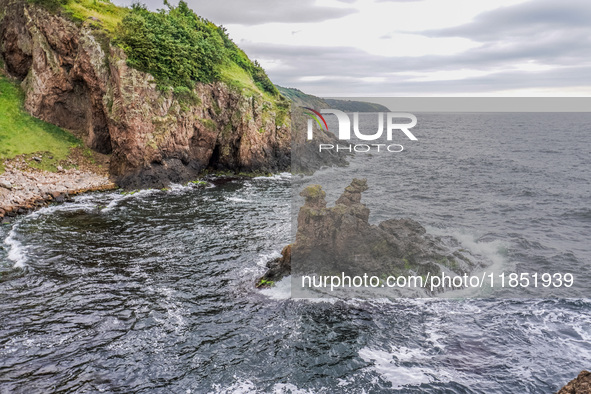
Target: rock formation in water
(73,77)
(580,385)
(341,239)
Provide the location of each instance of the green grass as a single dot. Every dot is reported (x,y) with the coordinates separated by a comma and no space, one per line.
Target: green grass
(108,13)
(236,77)
(20,133)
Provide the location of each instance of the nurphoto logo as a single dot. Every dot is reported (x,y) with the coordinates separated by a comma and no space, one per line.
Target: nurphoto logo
(344,132)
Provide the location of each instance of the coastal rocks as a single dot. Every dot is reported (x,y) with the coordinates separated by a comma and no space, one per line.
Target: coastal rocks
(341,239)
(276,269)
(580,385)
(32,189)
(6,184)
(73,77)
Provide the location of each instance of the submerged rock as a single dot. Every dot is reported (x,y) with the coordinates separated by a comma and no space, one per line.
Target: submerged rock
(341,239)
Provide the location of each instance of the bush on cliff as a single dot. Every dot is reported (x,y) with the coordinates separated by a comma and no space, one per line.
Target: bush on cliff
(180,48)
(176,46)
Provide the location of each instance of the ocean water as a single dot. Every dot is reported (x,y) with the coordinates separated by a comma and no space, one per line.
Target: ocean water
(153,292)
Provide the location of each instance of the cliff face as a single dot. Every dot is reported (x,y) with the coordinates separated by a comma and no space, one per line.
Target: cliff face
(73,77)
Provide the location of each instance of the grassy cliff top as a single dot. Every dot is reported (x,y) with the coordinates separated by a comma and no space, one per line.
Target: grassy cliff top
(307,100)
(175,45)
(22,134)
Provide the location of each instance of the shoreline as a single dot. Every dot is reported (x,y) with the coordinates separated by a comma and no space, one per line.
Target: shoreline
(24,189)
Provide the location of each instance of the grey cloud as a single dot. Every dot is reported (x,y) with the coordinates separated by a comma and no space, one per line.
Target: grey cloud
(554,34)
(502,81)
(344,67)
(255,12)
(526,21)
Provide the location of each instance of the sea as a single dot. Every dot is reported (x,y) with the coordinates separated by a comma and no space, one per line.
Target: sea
(153,291)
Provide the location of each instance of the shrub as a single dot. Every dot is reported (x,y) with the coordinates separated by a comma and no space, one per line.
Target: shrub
(176,46)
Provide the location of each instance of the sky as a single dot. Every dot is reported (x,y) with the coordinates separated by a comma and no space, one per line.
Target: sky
(418,48)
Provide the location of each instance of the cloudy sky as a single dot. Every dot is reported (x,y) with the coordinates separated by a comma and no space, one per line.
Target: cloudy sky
(413,47)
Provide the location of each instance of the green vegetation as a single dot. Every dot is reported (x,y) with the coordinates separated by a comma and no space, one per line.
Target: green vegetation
(21,134)
(175,45)
(302,99)
(210,124)
(108,14)
(179,48)
(238,57)
(307,100)
(265,283)
(355,106)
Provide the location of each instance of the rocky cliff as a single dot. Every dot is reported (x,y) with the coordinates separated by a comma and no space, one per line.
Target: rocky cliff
(73,76)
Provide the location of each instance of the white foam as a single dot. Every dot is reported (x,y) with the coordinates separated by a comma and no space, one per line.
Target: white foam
(289,388)
(238,199)
(16,251)
(118,197)
(387,365)
(493,254)
(280,176)
(281,290)
(265,257)
(239,387)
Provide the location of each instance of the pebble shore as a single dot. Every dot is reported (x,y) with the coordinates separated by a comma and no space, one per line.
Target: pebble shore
(24,189)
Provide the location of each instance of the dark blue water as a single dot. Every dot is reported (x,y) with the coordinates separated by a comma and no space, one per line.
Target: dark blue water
(153,292)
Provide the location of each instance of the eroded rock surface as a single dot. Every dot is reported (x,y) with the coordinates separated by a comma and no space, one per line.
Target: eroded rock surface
(580,385)
(340,239)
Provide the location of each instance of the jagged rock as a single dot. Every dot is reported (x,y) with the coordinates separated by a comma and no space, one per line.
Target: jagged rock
(340,239)
(352,194)
(37,159)
(277,269)
(6,185)
(314,196)
(580,385)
